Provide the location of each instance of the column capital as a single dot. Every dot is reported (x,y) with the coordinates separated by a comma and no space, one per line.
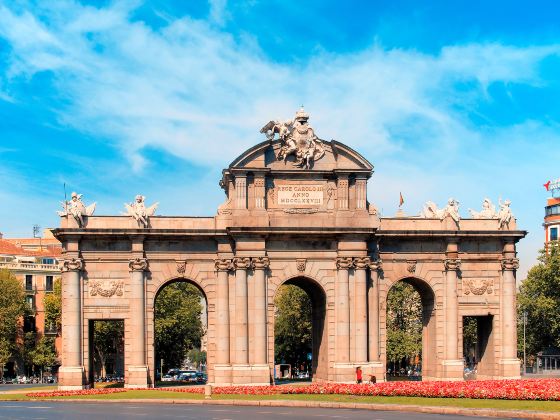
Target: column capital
(72,264)
(138,264)
(242,263)
(260,263)
(452,264)
(361,263)
(509,264)
(223,264)
(344,263)
(376,265)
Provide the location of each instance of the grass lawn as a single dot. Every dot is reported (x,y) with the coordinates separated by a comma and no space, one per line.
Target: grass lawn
(447,402)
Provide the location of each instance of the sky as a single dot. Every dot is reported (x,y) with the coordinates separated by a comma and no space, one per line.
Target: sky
(112,99)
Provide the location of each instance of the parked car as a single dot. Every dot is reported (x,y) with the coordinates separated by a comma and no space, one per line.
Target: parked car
(167,378)
(201,378)
(187,376)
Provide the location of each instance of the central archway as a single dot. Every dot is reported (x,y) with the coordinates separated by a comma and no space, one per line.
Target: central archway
(417,339)
(319,337)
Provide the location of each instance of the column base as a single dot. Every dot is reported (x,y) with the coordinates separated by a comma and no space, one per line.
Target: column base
(250,375)
(137,377)
(222,375)
(452,370)
(509,369)
(346,372)
(71,378)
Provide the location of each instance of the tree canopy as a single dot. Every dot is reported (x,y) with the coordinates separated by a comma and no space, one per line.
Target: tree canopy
(293,326)
(404,323)
(539,296)
(178,327)
(12,308)
(52,303)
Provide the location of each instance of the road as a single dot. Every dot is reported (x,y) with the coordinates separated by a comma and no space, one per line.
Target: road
(58,411)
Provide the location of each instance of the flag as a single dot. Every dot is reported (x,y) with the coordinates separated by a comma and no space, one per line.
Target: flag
(401,200)
(547,185)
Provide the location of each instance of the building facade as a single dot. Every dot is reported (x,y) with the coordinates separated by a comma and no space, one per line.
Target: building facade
(296,212)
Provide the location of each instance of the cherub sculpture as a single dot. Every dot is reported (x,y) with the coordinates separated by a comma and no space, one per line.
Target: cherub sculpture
(504,215)
(488,211)
(138,210)
(431,211)
(77,209)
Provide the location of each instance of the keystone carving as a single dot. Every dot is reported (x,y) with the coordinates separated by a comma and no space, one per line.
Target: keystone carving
(300,264)
(452,264)
(510,263)
(73,264)
(242,263)
(361,263)
(223,265)
(181,267)
(411,266)
(113,287)
(261,263)
(138,264)
(344,263)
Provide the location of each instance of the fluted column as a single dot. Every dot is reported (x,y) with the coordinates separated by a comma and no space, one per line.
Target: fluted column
(360,308)
(342,311)
(240,191)
(71,371)
(373,304)
(451,309)
(223,266)
(241,350)
(260,264)
(137,365)
(509,322)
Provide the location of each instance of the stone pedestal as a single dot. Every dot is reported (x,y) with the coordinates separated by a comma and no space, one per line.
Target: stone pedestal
(136,377)
(71,378)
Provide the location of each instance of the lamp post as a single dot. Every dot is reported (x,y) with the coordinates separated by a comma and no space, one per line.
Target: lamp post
(524,343)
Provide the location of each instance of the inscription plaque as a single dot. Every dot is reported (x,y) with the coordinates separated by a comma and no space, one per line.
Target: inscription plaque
(299,194)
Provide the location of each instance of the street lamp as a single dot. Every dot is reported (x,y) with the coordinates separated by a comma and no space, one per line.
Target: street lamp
(524,343)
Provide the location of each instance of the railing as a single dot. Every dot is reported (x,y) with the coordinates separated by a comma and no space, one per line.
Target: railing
(19,266)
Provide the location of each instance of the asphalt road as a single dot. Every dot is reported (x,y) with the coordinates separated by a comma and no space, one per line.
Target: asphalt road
(16,387)
(44,411)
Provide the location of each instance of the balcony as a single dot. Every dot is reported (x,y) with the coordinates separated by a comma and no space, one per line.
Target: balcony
(25,266)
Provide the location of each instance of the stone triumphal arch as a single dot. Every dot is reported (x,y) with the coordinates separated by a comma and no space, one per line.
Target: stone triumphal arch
(296,211)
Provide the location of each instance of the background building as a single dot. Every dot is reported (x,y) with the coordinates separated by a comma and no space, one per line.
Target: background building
(552,212)
(35,262)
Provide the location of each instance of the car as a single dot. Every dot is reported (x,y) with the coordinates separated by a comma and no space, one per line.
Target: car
(167,378)
(187,376)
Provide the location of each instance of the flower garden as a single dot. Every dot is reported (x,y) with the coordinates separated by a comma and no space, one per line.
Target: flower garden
(524,389)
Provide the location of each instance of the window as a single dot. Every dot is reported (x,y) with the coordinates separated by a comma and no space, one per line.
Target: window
(28,282)
(49,284)
(48,260)
(553,233)
(29,300)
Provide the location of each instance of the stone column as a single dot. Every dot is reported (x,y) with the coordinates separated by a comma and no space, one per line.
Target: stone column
(223,266)
(509,362)
(260,264)
(453,364)
(259,192)
(360,309)
(342,311)
(361,193)
(373,304)
(342,194)
(71,373)
(241,350)
(240,192)
(137,376)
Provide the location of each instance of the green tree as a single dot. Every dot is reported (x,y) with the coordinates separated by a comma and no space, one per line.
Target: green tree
(539,296)
(404,323)
(108,340)
(52,303)
(293,326)
(178,326)
(44,354)
(12,308)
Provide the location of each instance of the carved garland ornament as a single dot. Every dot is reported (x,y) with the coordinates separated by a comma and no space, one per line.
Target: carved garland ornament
(73,264)
(478,286)
(113,287)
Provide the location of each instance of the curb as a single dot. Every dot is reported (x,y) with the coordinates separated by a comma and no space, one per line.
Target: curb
(480,412)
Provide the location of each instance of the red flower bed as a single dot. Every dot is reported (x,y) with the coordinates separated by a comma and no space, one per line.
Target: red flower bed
(75,392)
(524,389)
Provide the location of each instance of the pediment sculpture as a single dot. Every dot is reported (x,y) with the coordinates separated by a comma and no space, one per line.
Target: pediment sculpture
(139,212)
(77,209)
(431,211)
(505,215)
(488,211)
(297,139)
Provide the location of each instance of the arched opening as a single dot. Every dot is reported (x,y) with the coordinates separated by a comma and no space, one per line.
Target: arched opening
(300,335)
(410,322)
(106,361)
(180,334)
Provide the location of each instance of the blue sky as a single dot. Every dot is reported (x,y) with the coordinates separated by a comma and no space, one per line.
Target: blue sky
(446,99)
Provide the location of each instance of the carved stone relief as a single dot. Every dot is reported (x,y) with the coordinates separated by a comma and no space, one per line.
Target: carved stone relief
(106,288)
(478,286)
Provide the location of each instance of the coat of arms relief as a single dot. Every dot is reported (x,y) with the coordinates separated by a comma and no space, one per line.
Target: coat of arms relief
(297,139)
